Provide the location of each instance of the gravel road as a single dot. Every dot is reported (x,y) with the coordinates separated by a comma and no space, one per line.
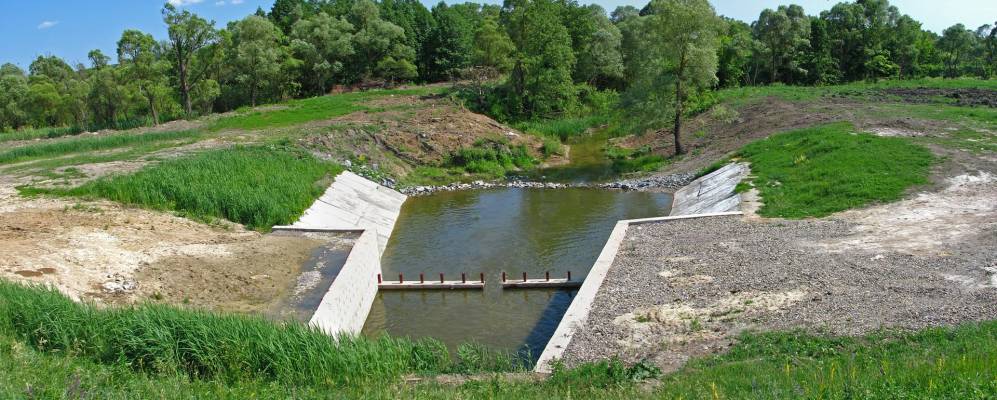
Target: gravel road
(685,288)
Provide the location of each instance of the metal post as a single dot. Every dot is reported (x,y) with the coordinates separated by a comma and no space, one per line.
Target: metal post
(482,278)
(569,275)
(547,276)
(441,277)
(421,278)
(401,279)
(524,277)
(503,276)
(378,279)
(463,277)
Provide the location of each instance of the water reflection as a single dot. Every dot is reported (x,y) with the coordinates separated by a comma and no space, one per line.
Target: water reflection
(511,230)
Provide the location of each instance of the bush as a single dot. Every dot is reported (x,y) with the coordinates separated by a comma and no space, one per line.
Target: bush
(552,147)
(492,158)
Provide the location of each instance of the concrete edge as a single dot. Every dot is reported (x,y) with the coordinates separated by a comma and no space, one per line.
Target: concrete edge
(581,305)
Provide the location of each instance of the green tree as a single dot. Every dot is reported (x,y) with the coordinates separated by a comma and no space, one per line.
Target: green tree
(13,97)
(285,13)
(188,33)
(450,42)
(734,53)
(323,44)
(784,34)
(379,45)
(492,46)
(678,54)
(956,45)
(256,57)
(599,60)
(138,56)
(540,82)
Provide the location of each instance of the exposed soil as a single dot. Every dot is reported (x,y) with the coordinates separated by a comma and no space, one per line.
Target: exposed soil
(114,254)
(417,130)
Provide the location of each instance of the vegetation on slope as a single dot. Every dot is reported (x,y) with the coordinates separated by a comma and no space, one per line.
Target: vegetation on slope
(81,144)
(51,347)
(257,186)
(818,171)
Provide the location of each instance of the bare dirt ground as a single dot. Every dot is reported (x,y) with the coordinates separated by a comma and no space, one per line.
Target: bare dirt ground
(113,254)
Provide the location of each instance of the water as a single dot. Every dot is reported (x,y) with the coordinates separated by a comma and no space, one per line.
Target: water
(314,277)
(490,231)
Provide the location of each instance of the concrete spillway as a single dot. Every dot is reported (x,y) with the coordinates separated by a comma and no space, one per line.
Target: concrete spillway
(352,204)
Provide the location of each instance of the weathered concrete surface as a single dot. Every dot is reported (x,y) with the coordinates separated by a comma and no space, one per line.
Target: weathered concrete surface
(353,203)
(346,304)
(577,313)
(712,193)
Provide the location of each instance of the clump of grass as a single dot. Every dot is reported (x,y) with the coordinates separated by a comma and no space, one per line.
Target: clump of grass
(169,341)
(256,186)
(82,144)
(563,128)
(818,171)
(634,160)
(310,109)
(551,147)
(492,158)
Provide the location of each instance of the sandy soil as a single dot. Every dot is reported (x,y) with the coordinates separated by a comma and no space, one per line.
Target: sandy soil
(113,254)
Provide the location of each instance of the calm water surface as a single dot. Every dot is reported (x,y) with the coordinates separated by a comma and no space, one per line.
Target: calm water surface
(490,231)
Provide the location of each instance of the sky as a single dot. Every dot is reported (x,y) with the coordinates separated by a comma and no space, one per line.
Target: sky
(71,28)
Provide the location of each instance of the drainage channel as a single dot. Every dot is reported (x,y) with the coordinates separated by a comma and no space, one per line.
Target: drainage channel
(484,234)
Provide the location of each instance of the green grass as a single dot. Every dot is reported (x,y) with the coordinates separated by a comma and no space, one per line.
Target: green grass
(818,171)
(83,144)
(310,109)
(966,139)
(634,160)
(256,186)
(40,133)
(490,158)
(798,93)
(51,347)
(563,128)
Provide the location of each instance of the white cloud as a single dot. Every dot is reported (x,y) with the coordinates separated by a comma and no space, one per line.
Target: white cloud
(181,3)
(237,1)
(47,24)
(220,3)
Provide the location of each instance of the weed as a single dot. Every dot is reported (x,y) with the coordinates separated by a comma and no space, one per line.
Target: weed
(79,144)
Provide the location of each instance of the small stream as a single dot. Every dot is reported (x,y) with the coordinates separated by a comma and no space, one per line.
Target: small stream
(513,230)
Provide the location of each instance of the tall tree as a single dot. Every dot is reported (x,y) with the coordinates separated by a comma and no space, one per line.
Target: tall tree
(324,44)
(188,33)
(492,46)
(449,45)
(734,54)
(380,49)
(13,97)
(599,60)
(256,56)
(956,44)
(137,55)
(784,34)
(678,55)
(541,78)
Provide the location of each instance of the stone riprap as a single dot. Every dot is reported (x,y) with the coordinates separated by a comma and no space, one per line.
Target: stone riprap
(712,193)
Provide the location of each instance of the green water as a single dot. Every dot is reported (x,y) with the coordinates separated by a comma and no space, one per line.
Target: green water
(588,161)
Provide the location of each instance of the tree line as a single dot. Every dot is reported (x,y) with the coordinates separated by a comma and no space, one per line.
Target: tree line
(530,58)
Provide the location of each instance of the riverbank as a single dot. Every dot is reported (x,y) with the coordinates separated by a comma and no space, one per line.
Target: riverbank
(656,183)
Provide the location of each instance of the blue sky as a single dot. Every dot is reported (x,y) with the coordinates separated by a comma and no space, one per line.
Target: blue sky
(71,28)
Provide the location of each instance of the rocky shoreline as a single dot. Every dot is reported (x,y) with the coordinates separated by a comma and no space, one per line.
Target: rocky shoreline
(674,181)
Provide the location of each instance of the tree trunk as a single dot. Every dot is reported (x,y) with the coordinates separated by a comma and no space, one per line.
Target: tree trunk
(677,129)
(155,113)
(185,89)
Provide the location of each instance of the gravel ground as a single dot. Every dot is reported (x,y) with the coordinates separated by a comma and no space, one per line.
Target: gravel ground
(686,288)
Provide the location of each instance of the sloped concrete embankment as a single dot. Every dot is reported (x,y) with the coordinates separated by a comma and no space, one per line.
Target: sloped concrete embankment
(709,196)
(352,204)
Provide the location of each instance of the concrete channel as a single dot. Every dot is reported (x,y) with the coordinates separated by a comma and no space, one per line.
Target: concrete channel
(709,196)
(351,204)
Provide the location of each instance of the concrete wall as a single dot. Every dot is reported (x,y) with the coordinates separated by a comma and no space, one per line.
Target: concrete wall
(345,306)
(709,196)
(712,193)
(352,204)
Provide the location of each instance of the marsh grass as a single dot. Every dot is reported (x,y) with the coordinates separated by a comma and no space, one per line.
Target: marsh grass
(818,171)
(255,186)
(90,143)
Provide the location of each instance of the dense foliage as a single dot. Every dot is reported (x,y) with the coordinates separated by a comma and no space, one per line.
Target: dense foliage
(547,55)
